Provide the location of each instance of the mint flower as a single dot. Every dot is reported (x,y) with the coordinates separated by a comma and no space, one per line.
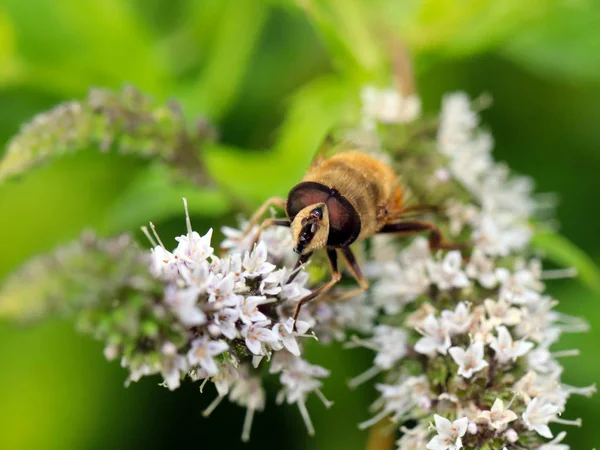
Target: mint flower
(469,361)
(454,333)
(449,433)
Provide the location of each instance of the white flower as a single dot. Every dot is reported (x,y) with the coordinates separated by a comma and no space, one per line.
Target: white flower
(501,313)
(299,378)
(481,268)
(449,433)
(229,264)
(506,349)
(285,333)
(498,416)
(554,443)
(280,243)
(257,335)
(448,274)
(402,398)
(248,391)
(194,249)
(511,436)
(256,263)
(490,238)
(276,283)
(183,303)
(172,366)
(295,290)
(226,319)
(388,106)
(460,215)
(468,150)
(537,415)
(390,343)
(519,288)
(413,438)
(226,377)
(541,361)
(203,352)
(271,284)
(472,428)
(248,309)
(164,264)
(398,284)
(459,320)
(195,276)
(221,290)
(435,339)
(238,240)
(469,361)
(111,351)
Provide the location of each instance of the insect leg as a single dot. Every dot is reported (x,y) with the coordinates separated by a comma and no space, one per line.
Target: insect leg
(277,201)
(420,209)
(335,277)
(436,241)
(356,273)
(399,213)
(270,223)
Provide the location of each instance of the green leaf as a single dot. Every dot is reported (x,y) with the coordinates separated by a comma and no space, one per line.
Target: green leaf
(127,121)
(74,276)
(65,46)
(566,44)
(559,249)
(463,28)
(345,26)
(213,92)
(256,175)
(155,195)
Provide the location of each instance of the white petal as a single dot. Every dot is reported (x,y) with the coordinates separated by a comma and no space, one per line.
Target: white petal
(477,350)
(543,430)
(291,345)
(172,379)
(214,348)
(461,426)
(426,346)
(267,335)
(458,355)
(254,346)
(437,443)
(443,425)
(208,364)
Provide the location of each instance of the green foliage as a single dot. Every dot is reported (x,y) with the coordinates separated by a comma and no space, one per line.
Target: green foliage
(312,114)
(64,46)
(127,122)
(214,90)
(155,194)
(559,249)
(205,54)
(564,45)
(83,274)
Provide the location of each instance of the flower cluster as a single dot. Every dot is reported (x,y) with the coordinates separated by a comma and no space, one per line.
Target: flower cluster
(235,312)
(462,336)
(126,121)
(465,349)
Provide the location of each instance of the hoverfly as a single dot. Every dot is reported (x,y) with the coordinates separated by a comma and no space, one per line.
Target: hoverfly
(347,197)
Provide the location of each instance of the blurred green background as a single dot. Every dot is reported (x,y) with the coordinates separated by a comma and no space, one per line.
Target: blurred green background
(272,76)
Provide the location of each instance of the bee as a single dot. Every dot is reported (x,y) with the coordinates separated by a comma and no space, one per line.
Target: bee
(342,199)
